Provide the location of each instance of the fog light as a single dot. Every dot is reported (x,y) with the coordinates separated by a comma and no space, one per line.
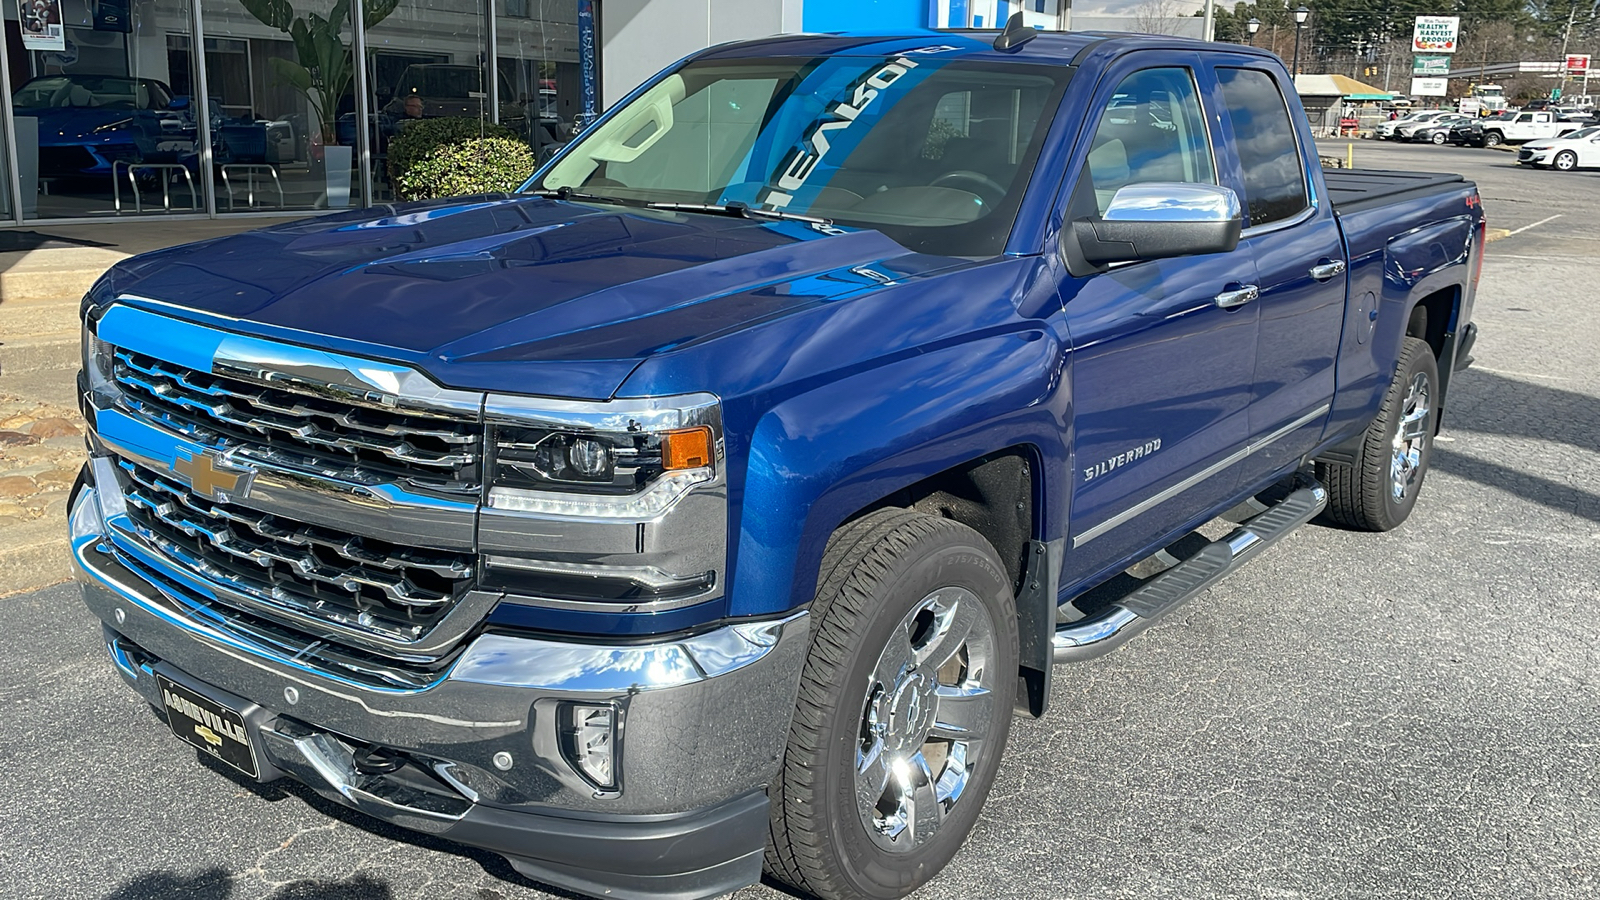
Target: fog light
(590,742)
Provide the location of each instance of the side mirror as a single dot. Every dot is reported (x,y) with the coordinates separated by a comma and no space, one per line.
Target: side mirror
(1159,220)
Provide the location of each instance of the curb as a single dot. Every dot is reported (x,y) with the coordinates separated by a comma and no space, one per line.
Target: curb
(33,556)
(55,273)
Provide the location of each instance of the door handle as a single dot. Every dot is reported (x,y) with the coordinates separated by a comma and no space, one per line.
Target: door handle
(1324,270)
(1239,297)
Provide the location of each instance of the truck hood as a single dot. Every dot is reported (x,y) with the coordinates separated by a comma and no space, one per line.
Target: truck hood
(513,293)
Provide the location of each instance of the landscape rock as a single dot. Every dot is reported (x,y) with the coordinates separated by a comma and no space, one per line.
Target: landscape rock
(17,487)
(59,477)
(54,428)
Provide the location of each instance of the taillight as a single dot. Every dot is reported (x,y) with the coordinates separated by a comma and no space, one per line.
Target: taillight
(1480,243)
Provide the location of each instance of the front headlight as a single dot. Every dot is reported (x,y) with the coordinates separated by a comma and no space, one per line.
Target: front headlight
(629,459)
(97,361)
(607,506)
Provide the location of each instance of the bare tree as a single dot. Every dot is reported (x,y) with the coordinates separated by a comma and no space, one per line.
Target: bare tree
(1154,16)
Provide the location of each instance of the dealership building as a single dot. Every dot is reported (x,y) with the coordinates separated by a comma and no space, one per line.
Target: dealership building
(121,109)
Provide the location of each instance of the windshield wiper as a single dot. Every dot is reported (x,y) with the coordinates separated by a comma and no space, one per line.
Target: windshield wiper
(566,193)
(736,208)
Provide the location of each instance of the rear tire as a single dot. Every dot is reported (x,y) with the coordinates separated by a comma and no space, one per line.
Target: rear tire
(1565,161)
(904,707)
(1380,489)
(1438,139)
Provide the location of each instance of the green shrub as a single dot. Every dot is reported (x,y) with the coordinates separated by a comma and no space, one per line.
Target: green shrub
(419,138)
(476,166)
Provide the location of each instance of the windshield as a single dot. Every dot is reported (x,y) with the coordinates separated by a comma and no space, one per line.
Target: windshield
(91,91)
(934,153)
(1583,133)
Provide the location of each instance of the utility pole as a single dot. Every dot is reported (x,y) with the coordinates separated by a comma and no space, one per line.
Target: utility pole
(1388,59)
(1211,20)
(1566,36)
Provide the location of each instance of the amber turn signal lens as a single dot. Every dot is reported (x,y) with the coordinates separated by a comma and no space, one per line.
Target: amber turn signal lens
(688,448)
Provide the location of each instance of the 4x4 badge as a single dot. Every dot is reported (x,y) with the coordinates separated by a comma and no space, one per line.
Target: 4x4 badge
(212,476)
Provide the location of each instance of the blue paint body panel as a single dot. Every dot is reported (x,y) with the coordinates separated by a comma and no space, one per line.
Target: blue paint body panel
(850,367)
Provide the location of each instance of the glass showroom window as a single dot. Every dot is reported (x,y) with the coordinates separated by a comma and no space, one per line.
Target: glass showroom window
(283,130)
(108,119)
(542,91)
(104,125)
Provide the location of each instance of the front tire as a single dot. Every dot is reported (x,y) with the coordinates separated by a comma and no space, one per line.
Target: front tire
(1380,489)
(1565,161)
(1492,139)
(903,711)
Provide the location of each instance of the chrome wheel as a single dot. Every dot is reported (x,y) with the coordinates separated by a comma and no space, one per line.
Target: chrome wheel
(925,717)
(1410,439)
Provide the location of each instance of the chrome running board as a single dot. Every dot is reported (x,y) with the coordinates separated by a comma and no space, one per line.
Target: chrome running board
(1132,614)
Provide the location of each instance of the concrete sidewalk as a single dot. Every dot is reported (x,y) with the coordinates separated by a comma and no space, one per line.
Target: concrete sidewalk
(44,272)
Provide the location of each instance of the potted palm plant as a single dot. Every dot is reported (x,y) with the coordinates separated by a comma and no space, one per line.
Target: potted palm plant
(323,70)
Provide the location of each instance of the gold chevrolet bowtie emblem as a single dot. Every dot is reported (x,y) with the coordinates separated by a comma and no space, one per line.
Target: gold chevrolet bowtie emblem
(207,475)
(209,736)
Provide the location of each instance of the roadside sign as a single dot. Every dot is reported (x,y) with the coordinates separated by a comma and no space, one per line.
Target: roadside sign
(1430,65)
(1429,87)
(1435,34)
(1578,64)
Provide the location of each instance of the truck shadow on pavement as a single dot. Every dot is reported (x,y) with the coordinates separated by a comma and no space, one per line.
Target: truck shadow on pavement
(217,884)
(1487,403)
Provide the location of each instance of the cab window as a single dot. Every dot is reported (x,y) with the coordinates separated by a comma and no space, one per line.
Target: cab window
(1151,130)
(1274,177)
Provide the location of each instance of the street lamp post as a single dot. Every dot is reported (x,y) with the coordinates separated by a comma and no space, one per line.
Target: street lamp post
(1299,23)
(1253,26)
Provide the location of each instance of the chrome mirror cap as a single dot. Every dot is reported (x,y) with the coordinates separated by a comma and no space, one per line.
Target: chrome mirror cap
(1173,201)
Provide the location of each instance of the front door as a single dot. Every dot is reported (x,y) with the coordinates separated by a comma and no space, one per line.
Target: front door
(1160,372)
(1300,263)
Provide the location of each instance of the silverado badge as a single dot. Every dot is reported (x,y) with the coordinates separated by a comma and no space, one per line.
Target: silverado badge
(212,476)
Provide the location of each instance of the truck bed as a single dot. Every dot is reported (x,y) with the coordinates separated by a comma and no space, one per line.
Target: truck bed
(1353,190)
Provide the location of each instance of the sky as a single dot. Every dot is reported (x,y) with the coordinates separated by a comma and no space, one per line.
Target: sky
(1134,7)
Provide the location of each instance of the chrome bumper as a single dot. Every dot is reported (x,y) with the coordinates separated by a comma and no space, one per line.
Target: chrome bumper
(703,718)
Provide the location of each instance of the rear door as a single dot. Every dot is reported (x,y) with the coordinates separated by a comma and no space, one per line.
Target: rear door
(1299,256)
(1160,373)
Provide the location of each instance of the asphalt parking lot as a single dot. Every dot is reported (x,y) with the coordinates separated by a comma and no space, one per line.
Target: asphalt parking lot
(1413,714)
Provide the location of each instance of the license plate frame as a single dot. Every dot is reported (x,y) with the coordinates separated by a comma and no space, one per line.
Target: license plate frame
(213,728)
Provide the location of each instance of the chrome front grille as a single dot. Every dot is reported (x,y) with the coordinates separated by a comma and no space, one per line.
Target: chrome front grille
(348,663)
(362,442)
(312,573)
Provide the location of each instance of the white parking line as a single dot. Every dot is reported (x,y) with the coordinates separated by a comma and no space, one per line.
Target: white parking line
(1534,225)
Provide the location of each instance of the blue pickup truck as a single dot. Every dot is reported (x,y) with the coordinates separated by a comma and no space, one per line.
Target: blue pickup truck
(710,505)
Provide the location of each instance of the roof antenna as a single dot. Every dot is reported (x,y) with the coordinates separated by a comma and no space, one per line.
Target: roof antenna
(1016,33)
